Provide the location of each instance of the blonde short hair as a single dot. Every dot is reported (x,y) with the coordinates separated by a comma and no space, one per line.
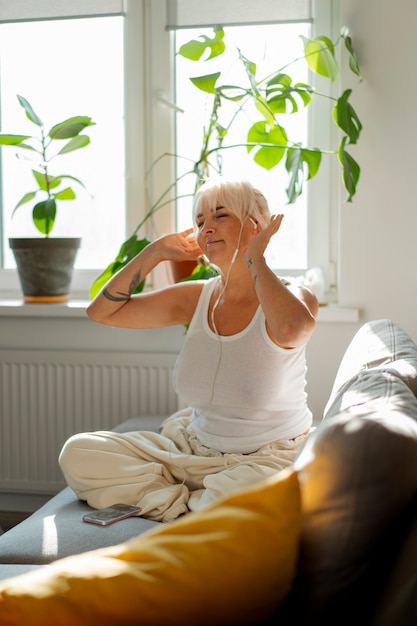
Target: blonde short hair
(240,197)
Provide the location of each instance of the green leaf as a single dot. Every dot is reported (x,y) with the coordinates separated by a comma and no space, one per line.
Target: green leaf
(68,177)
(304,91)
(250,68)
(70,127)
(202,272)
(65,194)
(128,250)
(195,48)
(265,110)
(46,182)
(26,198)
(131,247)
(43,215)
(14,140)
(279,93)
(232,92)
(346,118)
(267,156)
(103,279)
(54,181)
(320,56)
(350,170)
(297,160)
(40,178)
(206,83)
(353,59)
(75,144)
(30,113)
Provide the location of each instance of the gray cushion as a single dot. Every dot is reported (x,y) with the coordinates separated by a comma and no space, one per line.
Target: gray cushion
(56,530)
(358,474)
(398,599)
(143,422)
(381,345)
(10,570)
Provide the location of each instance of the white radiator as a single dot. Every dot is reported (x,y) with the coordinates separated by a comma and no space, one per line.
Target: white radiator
(46,396)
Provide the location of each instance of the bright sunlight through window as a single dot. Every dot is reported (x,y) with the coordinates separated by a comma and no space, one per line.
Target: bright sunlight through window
(269,47)
(67,68)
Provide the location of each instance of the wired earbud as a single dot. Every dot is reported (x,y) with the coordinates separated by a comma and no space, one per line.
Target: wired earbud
(255,226)
(235,253)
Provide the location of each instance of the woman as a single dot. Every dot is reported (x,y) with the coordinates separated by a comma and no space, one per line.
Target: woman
(241,370)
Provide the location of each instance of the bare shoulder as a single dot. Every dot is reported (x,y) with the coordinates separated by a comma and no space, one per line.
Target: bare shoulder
(190,289)
(188,294)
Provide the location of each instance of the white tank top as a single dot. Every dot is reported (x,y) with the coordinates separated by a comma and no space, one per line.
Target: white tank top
(245,390)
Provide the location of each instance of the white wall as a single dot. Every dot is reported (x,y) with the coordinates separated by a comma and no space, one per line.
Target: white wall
(378,249)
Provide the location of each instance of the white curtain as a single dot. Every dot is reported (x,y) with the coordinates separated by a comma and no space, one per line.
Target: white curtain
(197,13)
(27,10)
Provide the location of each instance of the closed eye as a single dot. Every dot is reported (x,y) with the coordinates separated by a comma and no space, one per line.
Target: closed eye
(200,225)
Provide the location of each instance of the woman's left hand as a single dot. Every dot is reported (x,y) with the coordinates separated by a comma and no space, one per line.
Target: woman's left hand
(258,244)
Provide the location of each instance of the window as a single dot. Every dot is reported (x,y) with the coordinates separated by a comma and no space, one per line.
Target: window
(312,223)
(71,81)
(66,67)
(121,72)
(263,44)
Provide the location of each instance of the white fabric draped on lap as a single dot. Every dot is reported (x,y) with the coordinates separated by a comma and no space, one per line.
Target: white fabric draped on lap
(167,474)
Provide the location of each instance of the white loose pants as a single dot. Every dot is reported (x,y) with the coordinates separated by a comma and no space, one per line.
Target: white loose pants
(167,474)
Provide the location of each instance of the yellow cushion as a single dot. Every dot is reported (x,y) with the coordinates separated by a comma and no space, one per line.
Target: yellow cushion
(232,562)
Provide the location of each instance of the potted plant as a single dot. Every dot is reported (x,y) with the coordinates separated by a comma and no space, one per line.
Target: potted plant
(266,139)
(45,264)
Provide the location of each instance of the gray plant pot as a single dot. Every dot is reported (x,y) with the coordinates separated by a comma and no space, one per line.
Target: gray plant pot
(45,266)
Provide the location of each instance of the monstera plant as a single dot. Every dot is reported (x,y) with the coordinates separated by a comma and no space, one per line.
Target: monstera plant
(266,139)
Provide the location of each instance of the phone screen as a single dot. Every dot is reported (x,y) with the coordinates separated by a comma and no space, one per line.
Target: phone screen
(111,514)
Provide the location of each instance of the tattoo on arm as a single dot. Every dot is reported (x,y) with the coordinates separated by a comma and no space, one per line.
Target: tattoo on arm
(134,282)
(121,296)
(249,264)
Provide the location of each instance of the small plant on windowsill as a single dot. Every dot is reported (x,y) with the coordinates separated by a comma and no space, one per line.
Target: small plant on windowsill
(44,263)
(266,139)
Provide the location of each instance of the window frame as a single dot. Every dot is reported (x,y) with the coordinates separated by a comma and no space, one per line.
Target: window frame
(150,124)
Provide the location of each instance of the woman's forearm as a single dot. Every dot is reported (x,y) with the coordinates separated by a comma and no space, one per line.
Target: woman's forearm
(290,318)
(118,291)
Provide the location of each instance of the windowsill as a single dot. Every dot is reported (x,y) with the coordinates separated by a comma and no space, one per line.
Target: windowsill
(18,308)
(335,313)
(331,313)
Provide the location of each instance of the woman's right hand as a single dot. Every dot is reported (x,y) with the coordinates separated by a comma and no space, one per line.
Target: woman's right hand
(116,305)
(180,246)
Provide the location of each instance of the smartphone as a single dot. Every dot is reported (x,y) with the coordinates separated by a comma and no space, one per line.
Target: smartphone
(111,514)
